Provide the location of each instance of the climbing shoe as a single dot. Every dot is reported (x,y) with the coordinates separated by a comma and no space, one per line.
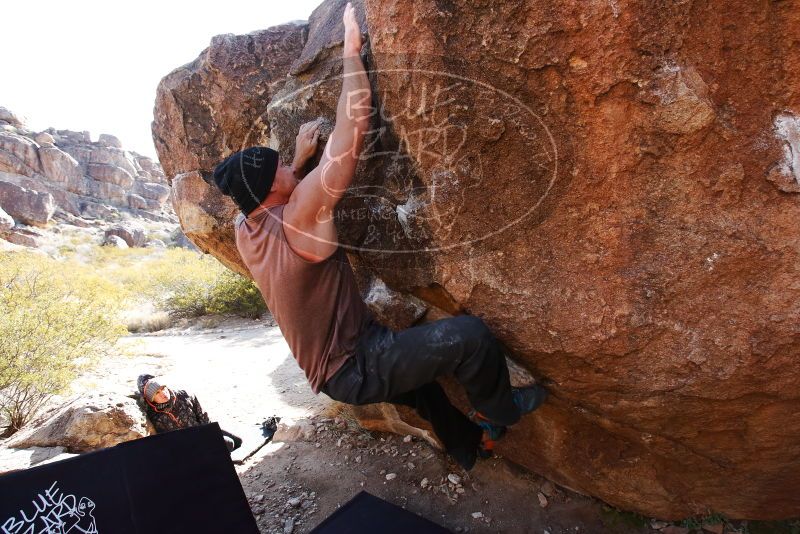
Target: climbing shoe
(528,398)
(491,433)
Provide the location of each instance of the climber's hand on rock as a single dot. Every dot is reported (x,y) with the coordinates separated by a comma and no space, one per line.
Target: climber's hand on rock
(306,142)
(352,33)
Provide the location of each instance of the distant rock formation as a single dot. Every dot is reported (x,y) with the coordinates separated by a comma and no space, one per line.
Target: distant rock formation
(6,222)
(65,173)
(33,208)
(132,236)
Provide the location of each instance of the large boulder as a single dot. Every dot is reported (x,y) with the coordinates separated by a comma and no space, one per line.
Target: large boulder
(21,238)
(109,140)
(153,191)
(106,192)
(610,186)
(230,84)
(151,169)
(26,206)
(206,216)
(89,154)
(97,210)
(60,167)
(44,139)
(137,202)
(133,234)
(111,174)
(84,423)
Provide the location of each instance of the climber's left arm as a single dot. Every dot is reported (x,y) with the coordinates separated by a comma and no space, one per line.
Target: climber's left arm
(308,216)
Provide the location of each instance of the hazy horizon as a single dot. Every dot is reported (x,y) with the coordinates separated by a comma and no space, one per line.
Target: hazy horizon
(94,68)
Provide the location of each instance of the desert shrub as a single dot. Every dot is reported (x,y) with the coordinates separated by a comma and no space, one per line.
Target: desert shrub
(186,297)
(217,290)
(233,293)
(58,316)
(55,318)
(182,282)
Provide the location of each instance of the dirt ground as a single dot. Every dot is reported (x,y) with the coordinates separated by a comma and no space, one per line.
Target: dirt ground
(295,484)
(243,373)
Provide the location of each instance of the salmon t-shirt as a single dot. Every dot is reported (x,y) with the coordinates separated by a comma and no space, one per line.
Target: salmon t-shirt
(317,305)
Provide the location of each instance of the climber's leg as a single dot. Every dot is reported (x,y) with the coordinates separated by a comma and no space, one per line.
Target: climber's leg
(388,364)
(459,436)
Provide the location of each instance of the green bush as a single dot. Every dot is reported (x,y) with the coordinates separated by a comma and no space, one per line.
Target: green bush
(58,316)
(182,282)
(224,293)
(233,293)
(55,318)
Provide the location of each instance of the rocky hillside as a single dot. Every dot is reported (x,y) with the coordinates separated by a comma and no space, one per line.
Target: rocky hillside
(611,185)
(64,176)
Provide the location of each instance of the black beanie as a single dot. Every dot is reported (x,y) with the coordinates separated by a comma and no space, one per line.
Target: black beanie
(246,176)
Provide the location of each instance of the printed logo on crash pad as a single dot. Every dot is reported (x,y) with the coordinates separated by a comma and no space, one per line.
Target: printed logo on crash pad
(52,511)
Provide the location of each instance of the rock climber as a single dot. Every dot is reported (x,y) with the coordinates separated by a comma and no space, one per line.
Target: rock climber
(172,410)
(287,239)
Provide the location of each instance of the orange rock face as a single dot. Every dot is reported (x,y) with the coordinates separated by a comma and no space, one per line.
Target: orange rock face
(210,108)
(613,187)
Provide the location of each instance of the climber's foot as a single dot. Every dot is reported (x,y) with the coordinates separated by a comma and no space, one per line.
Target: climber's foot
(528,398)
(491,433)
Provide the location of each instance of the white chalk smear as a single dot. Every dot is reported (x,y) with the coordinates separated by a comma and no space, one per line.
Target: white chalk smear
(787,127)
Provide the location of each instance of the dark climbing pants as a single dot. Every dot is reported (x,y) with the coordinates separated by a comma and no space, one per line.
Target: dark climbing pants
(402,367)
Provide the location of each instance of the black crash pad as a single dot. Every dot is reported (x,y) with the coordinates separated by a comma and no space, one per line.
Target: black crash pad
(368,514)
(175,482)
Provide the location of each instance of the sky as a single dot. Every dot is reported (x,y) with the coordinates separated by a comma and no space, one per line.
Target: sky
(91,65)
